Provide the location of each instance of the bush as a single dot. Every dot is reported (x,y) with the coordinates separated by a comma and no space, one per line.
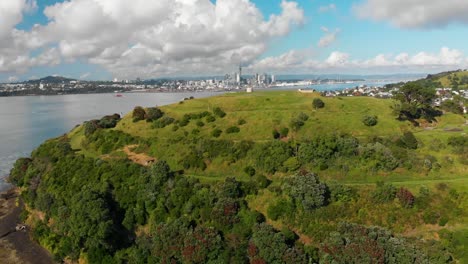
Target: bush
(232,130)
(153,113)
(318,103)
(241,122)
(210,119)
(291,164)
(405,197)
(216,133)
(408,140)
(370,120)
(163,122)
(384,193)
(200,124)
(284,132)
(90,127)
(275,134)
(138,114)
(296,124)
(249,170)
(281,208)
(219,112)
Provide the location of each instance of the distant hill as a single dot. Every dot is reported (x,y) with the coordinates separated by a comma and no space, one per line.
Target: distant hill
(52,79)
(454,79)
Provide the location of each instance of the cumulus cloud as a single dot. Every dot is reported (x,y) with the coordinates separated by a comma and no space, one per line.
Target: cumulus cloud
(148,38)
(329,37)
(295,61)
(414,13)
(327,8)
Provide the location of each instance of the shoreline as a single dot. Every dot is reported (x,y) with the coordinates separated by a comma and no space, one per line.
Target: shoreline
(16,245)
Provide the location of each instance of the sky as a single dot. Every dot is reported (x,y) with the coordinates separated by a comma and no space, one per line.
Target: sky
(107,39)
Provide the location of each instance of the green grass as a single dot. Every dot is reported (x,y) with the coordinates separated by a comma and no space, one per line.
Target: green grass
(265,111)
(446,83)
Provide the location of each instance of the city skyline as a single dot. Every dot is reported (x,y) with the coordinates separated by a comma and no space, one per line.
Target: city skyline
(104,39)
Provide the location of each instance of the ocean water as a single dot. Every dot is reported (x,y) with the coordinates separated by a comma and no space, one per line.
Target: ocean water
(27,121)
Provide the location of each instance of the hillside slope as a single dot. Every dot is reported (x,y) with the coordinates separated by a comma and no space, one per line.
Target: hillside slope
(221,172)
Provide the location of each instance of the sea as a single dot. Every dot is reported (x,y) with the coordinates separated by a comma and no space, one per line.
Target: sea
(27,121)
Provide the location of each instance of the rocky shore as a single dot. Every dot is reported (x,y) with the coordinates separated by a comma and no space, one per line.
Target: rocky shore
(16,245)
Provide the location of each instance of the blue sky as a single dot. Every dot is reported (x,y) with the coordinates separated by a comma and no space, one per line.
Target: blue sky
(104,39)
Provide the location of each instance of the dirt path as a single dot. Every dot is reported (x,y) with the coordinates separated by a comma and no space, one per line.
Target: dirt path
(16,246)
(139,158)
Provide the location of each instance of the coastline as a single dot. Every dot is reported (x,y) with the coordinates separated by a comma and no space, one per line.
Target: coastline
(16,246)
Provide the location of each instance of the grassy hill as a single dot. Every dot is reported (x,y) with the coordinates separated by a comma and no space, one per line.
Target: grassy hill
(333,142)
(446,80)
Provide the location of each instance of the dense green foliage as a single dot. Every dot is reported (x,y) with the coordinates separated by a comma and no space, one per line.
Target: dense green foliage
(415,101)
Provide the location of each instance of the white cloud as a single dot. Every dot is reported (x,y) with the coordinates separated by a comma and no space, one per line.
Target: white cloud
(327,8)
(12,79)
(329,37)
(299,62)
(415,13)
(85,75)
(149,38)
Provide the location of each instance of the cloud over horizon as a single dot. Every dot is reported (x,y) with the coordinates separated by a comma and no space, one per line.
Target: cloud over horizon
(414,14)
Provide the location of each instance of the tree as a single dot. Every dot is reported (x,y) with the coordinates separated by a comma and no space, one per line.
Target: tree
(307,191)
(415,102)
(318,103)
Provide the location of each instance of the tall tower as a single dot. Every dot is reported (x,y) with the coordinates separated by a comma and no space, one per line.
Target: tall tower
(240,75)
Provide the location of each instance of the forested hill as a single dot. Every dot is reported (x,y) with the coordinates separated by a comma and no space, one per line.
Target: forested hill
(267,177)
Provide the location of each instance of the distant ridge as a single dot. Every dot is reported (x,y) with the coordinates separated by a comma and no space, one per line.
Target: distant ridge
(52,79)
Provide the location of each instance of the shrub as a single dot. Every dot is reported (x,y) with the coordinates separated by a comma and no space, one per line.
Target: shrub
(219,112)
(210,119)
(318,103)
(249,170)
(232,130)
(241,122)
(138,114)
(384,193)
(109,121)
(284,132)
(291,164)
(195,131)
(153,113)
(163,122)
(405,197)
(408,140)
(216,133)
(90,127)
(370,120)
(303,117)
(175,128)
(276,134)
(296,124)
(281,208)
(200,124)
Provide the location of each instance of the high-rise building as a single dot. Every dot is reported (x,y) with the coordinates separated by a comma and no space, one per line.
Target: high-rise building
(239,77)
(273,79)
